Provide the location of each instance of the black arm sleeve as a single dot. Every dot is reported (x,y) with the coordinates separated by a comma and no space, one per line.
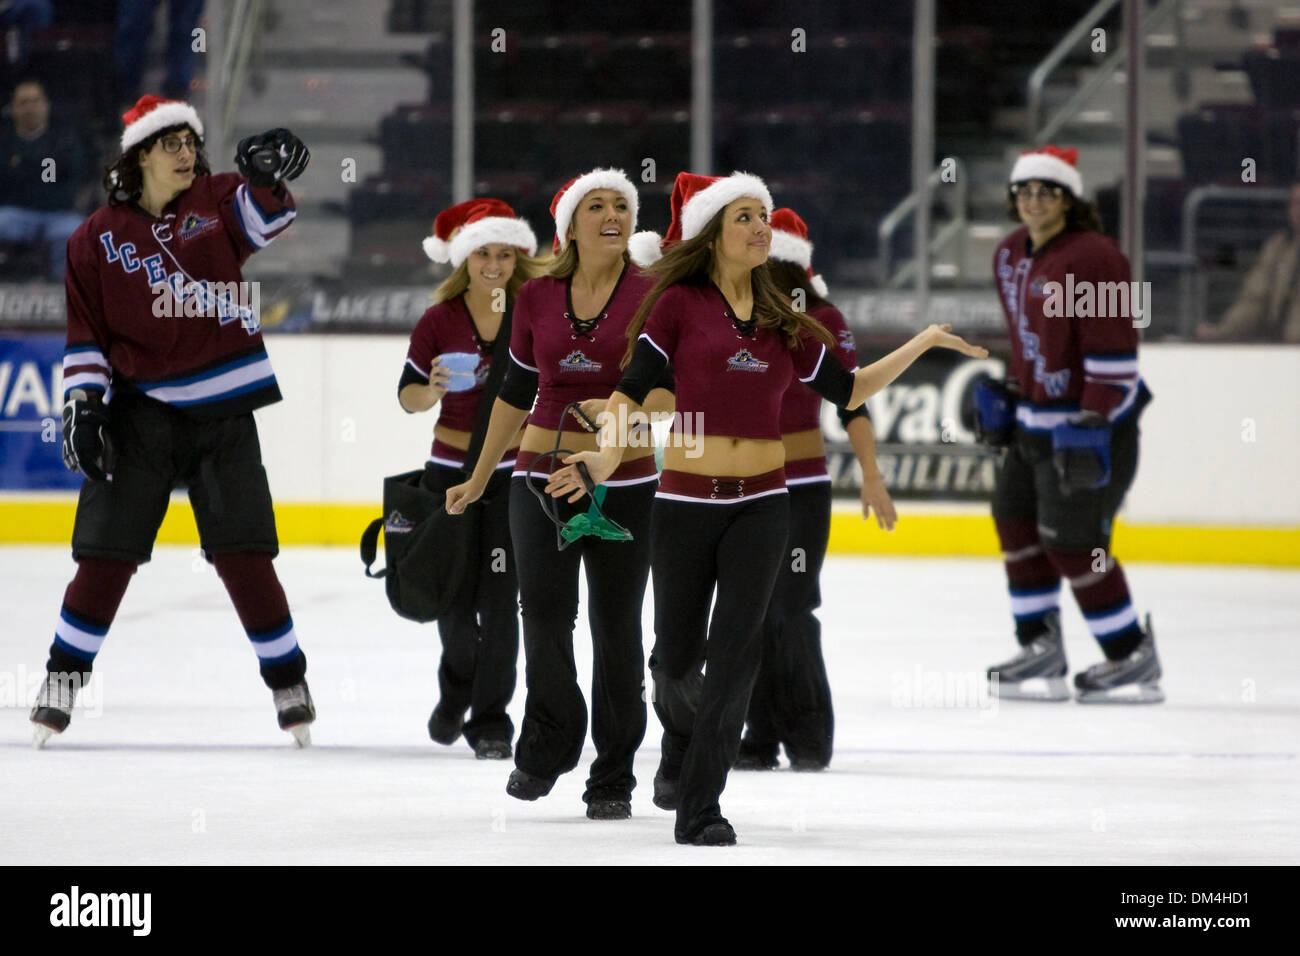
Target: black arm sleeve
(644,372)
(665,380)
(520,387)
(847,416)
(832,382)
(409,377)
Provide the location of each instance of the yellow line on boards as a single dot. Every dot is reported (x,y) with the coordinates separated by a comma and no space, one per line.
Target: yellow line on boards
(48,520)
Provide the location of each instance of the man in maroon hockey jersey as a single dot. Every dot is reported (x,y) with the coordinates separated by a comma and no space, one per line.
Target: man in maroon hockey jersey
(1067,417)
(163,369)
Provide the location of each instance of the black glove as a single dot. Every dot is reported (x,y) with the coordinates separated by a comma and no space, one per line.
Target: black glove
(1081,454)
(268,158)
(87,447)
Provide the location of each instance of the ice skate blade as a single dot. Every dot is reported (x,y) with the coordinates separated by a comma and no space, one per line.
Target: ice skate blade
(301,735)
(1149,693)
(40,734)
(1048,689)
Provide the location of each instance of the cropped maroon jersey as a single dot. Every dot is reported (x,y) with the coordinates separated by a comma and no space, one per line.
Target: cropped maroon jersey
(572,366)
(159,306)
(734,381)
(1082,356)
(800,405)
(448,327)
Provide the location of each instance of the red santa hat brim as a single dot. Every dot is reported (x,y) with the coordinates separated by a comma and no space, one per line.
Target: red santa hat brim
(1047,168)
(567,205)
(170,113)
(481,232)
(712,199)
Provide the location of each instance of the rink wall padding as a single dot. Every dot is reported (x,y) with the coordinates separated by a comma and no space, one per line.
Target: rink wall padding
(48,520)
(1218,477)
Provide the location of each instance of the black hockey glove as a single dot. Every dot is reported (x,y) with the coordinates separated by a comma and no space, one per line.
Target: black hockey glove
(87,447)
(1081,454)
(995,413)
(271,157)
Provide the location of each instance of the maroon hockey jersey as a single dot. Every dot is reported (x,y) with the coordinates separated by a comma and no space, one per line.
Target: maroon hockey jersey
(800,405)
(1070,309)
(571,366)
(159,306)
(733,381)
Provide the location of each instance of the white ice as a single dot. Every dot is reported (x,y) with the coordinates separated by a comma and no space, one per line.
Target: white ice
(177,759)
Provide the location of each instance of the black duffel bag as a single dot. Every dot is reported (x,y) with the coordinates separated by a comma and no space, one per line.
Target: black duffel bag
(431,555)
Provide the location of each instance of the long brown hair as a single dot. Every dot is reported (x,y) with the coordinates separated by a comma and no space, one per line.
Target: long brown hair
(526,267)
(788,277)
(124,180)
(566,263)
(690,262)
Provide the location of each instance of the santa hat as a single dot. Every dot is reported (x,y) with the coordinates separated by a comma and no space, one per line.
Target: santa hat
(695,201)
(790,244)
(152,114)
(1050,164)
(565,203)
(460,230)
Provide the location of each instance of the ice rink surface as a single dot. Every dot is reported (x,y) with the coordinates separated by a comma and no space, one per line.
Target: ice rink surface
(174,755)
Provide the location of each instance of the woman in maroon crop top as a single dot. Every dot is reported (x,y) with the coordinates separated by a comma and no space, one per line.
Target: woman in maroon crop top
(490,252)
(791,703)
(566,345)
(721,515)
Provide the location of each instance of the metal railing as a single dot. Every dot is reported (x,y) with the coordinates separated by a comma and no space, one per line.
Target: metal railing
(1038,135)
(1193,282)
(945,236)
(235,33)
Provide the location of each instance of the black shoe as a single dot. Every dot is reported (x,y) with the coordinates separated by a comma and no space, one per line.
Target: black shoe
(443,729)
(605,808)
(715,834)
(755,756)
(665,797)
(492,748)
(524,786)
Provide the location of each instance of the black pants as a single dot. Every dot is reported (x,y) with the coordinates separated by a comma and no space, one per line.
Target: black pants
(480,633)
(555,714)
(736,549)
(1027,487)
(791,703)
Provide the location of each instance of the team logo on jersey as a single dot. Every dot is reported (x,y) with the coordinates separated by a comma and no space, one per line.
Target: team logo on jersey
(397,523)
(744,361)
(846,341)
(195,225)
(575,361)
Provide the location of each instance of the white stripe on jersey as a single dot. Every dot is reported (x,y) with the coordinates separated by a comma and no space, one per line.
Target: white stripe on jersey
(209,389)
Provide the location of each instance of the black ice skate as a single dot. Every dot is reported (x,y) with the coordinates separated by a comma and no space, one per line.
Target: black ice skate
(522,785)
(1038,671)
(489,748)
(754,755)
(609,808)
(295,712)
(443,729)
(53,709)
(715,834)
(1130,680)
(665,797)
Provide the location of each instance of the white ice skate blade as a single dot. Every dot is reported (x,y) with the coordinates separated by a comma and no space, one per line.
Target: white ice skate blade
(40,734)
(1051,689)
(301,735)
(1148,693)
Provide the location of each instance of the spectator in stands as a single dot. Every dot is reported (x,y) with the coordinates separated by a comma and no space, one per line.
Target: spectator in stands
(1268,307)
(41,171)
(20,21)
(135,20)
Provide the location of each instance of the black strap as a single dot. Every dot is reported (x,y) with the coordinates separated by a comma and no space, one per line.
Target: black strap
(491,388)
(370,548)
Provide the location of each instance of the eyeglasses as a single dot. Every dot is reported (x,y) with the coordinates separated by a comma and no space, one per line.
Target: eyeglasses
(1026,192)
(173,144)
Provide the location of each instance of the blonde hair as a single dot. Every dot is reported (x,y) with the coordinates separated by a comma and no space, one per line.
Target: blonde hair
(690,262)
(457,284)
